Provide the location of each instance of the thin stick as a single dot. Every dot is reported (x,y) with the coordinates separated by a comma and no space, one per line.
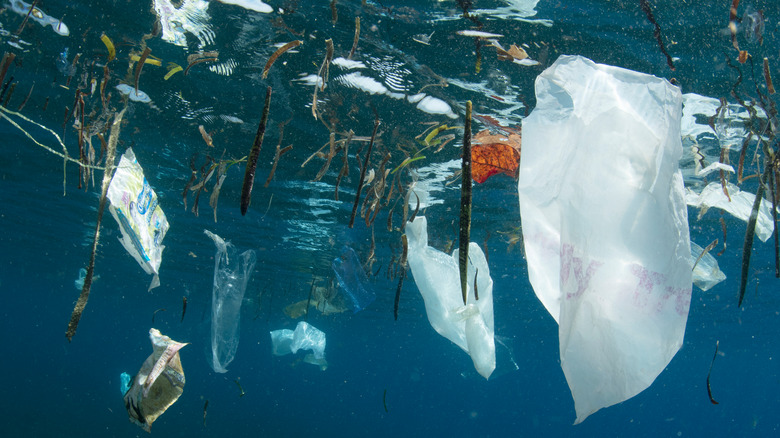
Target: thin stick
(363,174)
(277,53)
(357,37)
(107,175)
(140,66)
(251,163)
(465,206)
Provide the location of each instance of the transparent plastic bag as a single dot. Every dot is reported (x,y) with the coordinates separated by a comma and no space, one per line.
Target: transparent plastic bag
(231,275)
(437,277)
(605,225)
(304,337)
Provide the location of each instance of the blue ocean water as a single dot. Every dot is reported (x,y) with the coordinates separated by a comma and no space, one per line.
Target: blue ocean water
(384,377)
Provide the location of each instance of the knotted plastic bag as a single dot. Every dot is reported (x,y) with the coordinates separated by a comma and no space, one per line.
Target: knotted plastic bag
(437,276)
(605,225)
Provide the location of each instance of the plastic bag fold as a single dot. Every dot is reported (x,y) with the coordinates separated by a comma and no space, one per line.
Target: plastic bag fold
(437,277)
(605,225)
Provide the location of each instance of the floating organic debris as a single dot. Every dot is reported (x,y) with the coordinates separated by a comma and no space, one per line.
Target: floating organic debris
(206,137)
(172,70)
(709,389)
(423,38)
(199,58)
(81,304)
(363,174)
(657,32)
(355,40)
(279,51)
(30,11)
(183,308)
(254,153)
(322,75)
(465,206)
(109,46)
(477,34)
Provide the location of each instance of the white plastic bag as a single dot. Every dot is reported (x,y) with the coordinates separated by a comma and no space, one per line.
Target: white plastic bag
(437,277)
(305,337)
(605,225)
(140,218)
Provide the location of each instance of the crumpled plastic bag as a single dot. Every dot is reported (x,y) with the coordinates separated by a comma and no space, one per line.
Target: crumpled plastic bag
(437,277)
(706,273)
(605,225)
(305,337)
(142,222)
(231,275)
(158,384)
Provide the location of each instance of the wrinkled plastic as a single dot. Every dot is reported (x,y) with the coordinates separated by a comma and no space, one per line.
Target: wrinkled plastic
(353,280)
(605,225)
(231,275)
(142,222)
(738,203)
(124,383)
(437,277)
(706,273)
(158,384)
(304,337)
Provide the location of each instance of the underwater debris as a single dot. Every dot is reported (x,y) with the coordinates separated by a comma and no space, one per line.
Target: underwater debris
(30,11)
(183,308)
(645,5)
(205,411)
(277,53)
(492,154)
(140,65)
(143,405)
(133,94)
(402,267)
(109,46)
(252,5)
(770,88)
(355,40)
(198,58)
(478,34)
(81,304)
(173,68)
(322,75)
(162,309)
(206,137)
(465,205)
(363,174)
(709,389)
(254,153)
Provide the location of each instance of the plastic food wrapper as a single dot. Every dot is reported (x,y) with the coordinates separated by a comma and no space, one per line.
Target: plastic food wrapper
(353,280)
(437,277)
(605,225)
(140,218)
(706,273)
(158,384)
(231,274)
(304,337)
(740,205)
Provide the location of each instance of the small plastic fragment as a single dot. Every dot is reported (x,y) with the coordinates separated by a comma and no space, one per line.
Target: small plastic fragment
(305,337)
(353,279)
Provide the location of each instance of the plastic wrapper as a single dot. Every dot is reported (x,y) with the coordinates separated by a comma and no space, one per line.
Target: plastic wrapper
(738,204)
(140,218)
(304,337)
(158,384)
(231,275)
(605,225)
(437,277)
(353,279)
(706,273)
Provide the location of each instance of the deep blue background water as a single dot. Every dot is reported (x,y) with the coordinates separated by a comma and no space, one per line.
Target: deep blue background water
(54,388)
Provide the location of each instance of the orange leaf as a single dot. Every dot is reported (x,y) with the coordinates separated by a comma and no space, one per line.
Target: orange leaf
(492,158)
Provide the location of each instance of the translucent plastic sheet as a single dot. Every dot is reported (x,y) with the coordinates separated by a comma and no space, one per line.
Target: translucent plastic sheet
(353,280)
(305,337)
(437,277)
(605,225)
(231,274)
(706,273)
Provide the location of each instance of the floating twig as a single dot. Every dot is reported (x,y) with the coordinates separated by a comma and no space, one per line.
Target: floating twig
(357,38)
(138,66)
(277,53)
(402,267)
(657,32)
(107,175)
(254,153)
(363,174)
(465,205)
(183,308)
(747,247)
(709,389)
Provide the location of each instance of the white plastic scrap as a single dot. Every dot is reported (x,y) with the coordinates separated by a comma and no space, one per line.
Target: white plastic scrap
(305,337)
(740,205)
(706,273)
(437,277)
